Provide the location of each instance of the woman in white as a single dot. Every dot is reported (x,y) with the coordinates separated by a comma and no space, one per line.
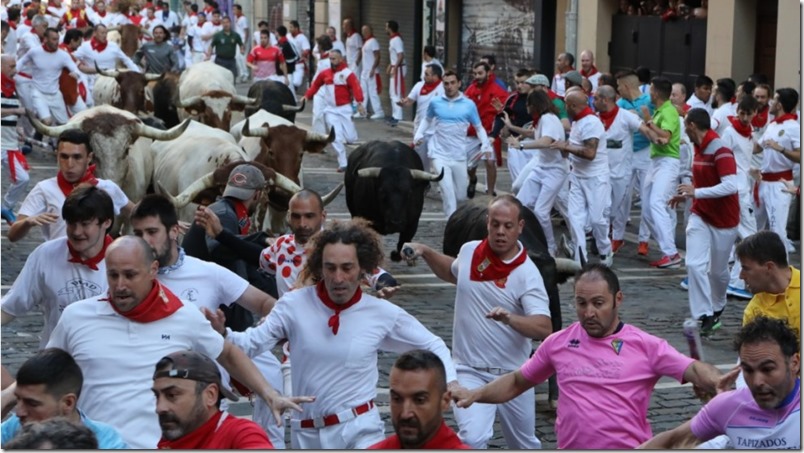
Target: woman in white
(549,169)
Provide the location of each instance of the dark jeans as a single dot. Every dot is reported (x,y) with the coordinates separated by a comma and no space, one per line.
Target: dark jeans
(228,63)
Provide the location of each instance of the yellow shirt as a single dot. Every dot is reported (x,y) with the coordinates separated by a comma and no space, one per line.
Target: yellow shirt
(781,306)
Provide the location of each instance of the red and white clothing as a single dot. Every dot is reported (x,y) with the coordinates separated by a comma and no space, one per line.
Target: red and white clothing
(422,94)
(720,117)
(712,226)
(695,102)
(627,364)
(620,125)
(590,191)
(336,359)
(54,14)
(483,349)
(117,357)
(222,431)
(340,86)
(444,439)
(559,86)
(45,69)
(267,61)
(75,18)
(396,81)
(106,56)
(354,45)
(12,158)
(255,42)
(46,196)
(50,281)
(303,45)
(773,204)
(483,96)
(593,76)
(371,82)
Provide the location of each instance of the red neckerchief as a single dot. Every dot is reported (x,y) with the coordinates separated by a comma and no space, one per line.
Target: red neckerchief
(158,304)
(710,135)
(282,40)
(66,48)
(44,46)
(8,85)
(787,116)
(486,266)
(761,118)
(744,130)
(12,24)
(393,35)
(91,263)
(67,187)
(335,320)
(195,440)
(591,73)
(324,55)
(243,219)
(427,88)
(608,117)
(552,95)
(536,117)
(98,46)
(583,113)
(444,439)
(136,18)
(28,22)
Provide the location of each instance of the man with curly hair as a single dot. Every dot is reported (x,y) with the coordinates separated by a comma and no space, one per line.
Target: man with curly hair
(336,332)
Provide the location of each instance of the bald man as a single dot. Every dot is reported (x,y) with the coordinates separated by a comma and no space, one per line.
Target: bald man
(589,70)
(590,189)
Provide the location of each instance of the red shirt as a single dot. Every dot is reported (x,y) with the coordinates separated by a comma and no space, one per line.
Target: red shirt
(482,95)
(712,161)
(260,53)
(444,439)
(231,433)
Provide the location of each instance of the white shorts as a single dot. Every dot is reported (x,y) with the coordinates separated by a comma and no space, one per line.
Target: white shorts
(473,153)
(49,106)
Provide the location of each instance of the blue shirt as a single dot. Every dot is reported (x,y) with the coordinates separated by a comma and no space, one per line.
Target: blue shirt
(640,141)
(445,124)
(108,437)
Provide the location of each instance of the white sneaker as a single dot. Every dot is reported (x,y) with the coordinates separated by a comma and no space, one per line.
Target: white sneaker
(607,260)
(357,116)
(378,116)
(567,246)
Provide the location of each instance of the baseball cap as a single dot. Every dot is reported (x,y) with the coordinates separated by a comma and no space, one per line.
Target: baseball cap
(243,181)
(538,79)
(195,367)
(574,77)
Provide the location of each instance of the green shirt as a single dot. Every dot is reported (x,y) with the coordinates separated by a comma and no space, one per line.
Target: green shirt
(666,117)
(225,44)
(562,110)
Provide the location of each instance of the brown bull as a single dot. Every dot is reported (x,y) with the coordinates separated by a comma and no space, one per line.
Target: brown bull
(131,88)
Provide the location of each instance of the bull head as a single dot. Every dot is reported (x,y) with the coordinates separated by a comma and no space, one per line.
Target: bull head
(115,73)
(141,130)
(374,172)
(313,137)
(263,131)
(294,108)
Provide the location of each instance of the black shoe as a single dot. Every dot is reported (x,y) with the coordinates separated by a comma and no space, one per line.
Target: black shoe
(470,191)
(708,325)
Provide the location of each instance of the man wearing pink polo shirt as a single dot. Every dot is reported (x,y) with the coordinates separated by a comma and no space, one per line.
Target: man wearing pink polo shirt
(606,371)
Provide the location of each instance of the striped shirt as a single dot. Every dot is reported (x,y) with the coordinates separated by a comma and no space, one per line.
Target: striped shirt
(8,129)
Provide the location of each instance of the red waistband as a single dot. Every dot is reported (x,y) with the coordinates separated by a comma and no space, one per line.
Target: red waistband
(778,176)
(333,419)
(24,74)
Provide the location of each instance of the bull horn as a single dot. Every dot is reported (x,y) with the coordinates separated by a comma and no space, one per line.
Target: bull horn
(283,182)
(152,77)
(295,108)
(258,132)
(426,175)
(183,199)
(316,137)
(567,266)
(115,28)
(370,172)
(239,98)
(189,102)
(106,73)
(51,131)
(155,134)
(327,199)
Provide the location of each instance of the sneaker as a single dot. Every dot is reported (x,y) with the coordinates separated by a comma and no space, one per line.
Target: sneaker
(567,246)
(685,284)
(642,249)
(738,293)
(378,116)
(708,325)
(26,149)
(470,191)
(393,122)
(357,116)
(616,245)
(8,216)
(668,262)
(607,260)
(341,169)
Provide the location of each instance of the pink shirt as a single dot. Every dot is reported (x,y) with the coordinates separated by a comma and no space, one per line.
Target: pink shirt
(605,383)
(747,425)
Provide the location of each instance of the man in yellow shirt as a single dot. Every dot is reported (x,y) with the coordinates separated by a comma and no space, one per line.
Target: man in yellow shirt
(776,285)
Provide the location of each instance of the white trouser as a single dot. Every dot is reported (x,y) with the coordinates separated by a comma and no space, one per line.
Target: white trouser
(517,417)
(319,106)
(747,227)
(49,106)
(517,159)
(619,206)
(17,189)
(454,183)
(360,433)
(188,56)
(707,262)
(240,59)
(340,118)
(774,207)
(370,95)
(79,106)
(589,201)
(269,366)
(396,89)
(640,164)
(298,75)
(24,86)
(661,184)
(539,193)
(421,149)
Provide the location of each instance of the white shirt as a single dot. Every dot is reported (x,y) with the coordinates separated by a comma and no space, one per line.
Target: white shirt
(204,284)
(558,85)
(594,80)
(49,281)
(694,103)
(481,342)
(354,43)
(55,14)
(340,370)
(46,68)
(27,41)
(787,134)
(116,19)
(118,356)
(10,45)
(22,30)
(189,22)
(241,27)
(46,196)
(196,31)
(743,149)
(105,60)
(586,128)
(550,126)
(170,21)
(369,47)
(396,47)
(302,43)
(423,101)
(719,120)
(619,140)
